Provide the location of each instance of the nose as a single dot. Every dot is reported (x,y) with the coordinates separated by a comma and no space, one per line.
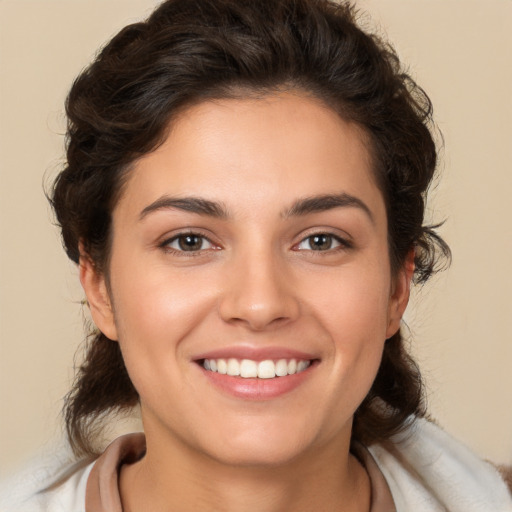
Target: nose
(258,293)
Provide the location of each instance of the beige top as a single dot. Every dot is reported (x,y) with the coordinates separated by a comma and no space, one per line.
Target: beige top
(102,493)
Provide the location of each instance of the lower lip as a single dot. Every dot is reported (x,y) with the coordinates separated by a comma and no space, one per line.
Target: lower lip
(258,389)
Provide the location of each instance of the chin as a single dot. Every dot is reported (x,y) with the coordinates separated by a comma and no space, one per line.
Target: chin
(267,443)
(259,453)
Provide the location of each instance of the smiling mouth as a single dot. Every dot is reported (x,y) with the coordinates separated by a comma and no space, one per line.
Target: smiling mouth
(250,369)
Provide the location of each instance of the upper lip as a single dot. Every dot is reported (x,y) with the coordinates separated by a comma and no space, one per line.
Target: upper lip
(255,353)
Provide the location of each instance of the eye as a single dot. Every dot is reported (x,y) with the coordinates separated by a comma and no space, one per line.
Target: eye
(188,242)
(321,242)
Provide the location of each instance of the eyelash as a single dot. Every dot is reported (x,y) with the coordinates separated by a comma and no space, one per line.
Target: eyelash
(165,245)
(343,244)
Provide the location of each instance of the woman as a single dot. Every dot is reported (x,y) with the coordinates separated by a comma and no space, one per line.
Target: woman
(244,196)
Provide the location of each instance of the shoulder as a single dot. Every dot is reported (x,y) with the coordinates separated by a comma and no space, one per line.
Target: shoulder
(428,470)
(54,481)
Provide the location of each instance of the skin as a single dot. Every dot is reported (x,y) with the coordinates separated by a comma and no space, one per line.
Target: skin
(255,282)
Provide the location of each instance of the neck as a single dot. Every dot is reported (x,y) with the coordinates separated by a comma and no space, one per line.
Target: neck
(179,480)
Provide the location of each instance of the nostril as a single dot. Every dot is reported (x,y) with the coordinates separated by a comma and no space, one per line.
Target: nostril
(260,322)
(258,298)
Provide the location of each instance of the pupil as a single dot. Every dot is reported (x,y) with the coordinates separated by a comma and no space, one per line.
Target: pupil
(321,242)
(190,243)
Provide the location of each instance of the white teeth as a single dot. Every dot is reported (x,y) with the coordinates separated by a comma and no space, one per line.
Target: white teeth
(222,366)
(266,369)
(281,368)
(233,367)
(302,365)
(247,368)
(292,367)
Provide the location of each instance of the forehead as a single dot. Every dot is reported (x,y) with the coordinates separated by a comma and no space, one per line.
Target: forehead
(250,152)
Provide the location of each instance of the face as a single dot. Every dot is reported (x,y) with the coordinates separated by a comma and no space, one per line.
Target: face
(253,241)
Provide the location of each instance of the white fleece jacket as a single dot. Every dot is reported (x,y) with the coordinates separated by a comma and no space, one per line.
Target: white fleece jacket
(429,471)
(426,470)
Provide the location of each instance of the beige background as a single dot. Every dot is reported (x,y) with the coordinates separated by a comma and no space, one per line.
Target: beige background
(459,50)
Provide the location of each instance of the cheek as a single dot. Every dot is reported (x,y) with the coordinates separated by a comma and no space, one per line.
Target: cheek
(354,303)
(154,312)
(149,297)
(355,316)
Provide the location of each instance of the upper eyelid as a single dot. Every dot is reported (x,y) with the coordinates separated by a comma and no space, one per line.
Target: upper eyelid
(344,242)
(167,240)
(339,234)
(326,233)
(184,232)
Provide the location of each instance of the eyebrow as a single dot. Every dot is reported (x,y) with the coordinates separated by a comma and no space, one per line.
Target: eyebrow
(188,204)
(301,207)
(324,202)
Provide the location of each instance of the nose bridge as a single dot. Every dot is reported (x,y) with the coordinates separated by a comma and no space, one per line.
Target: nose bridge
(257,292)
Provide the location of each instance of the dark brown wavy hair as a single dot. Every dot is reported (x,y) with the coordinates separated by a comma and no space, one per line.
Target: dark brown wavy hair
(189,51)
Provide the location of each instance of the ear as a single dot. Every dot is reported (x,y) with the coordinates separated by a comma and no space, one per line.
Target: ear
(400,295)
(98,297)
